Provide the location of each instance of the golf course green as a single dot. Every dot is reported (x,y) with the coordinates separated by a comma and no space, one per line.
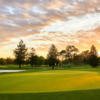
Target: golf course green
(62,84)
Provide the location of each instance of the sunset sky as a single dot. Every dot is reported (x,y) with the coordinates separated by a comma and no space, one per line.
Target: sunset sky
(41,23)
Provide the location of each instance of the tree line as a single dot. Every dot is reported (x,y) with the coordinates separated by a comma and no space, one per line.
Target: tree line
(66,57)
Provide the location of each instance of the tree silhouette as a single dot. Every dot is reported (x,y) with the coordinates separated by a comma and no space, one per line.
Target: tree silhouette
(93,51)
(2,61)
(20,53)
(62,55)
(32,57)
(85,56)
(9,61)
(71,51)
(52,57)
(93,58)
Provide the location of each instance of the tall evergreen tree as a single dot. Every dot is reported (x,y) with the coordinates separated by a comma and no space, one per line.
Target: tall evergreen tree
(52,56)
(93,51)
(20,53)
(93,58)
(32,57)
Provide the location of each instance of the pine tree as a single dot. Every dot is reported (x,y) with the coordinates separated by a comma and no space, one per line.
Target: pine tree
(20,53)
(52,56)
(32,57)
(93,58)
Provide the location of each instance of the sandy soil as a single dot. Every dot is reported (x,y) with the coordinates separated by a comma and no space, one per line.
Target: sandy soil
(6,71)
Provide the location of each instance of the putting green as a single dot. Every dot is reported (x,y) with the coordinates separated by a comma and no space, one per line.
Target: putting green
(49,81)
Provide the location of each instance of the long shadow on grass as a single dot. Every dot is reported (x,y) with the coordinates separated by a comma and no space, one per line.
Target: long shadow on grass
(72,95)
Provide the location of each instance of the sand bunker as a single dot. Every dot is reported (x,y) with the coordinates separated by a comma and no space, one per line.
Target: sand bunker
(6,71)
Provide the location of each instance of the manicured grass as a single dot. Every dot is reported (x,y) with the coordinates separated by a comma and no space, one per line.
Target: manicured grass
(44,84)
(71,95)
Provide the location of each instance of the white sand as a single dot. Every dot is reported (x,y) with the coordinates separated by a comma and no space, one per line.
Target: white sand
(6,71)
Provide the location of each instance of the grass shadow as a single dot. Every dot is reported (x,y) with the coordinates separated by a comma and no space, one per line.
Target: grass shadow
(72,95)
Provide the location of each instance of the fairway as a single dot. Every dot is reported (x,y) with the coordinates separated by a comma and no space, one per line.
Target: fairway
(47,85)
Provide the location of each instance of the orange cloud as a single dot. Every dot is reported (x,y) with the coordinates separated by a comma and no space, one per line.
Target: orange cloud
(43,22)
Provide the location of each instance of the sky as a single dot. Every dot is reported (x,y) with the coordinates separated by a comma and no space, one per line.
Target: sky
(40,23)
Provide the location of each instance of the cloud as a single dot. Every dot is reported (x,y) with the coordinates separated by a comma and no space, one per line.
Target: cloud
(43,22)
